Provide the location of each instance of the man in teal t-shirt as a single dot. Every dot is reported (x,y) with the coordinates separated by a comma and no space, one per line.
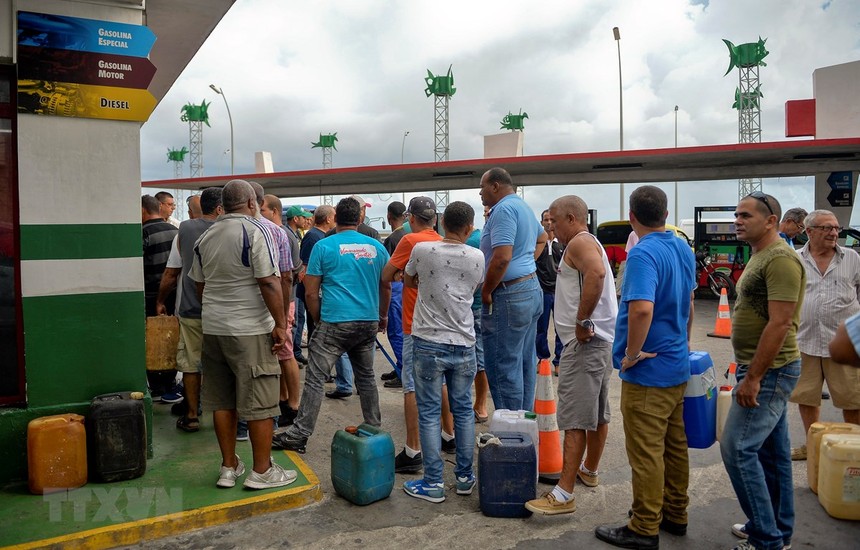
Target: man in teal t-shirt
(348,302)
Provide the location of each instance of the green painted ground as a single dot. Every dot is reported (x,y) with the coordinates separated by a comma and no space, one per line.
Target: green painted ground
(180,477)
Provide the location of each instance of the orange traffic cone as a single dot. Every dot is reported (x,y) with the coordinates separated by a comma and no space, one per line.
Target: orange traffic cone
(549,450)
(723,326)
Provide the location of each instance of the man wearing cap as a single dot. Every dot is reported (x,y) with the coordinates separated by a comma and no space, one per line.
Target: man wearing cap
(422,217)
(348,300)
(511,295)
(396,219)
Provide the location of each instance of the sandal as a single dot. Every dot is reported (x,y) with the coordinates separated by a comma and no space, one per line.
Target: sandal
(188,424)
(480,419)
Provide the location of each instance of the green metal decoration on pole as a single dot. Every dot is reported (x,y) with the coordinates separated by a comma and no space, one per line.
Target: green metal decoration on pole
(327,143)
(326,140)
(196,116)
(748,58)
(441,88)
(746,55)
(514,122)
(177,157)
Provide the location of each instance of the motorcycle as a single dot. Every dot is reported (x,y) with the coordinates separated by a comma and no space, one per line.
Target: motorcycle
(707,276)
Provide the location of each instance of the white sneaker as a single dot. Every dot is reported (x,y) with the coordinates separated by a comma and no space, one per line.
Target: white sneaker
(740,530)
(228,476)
(275,476)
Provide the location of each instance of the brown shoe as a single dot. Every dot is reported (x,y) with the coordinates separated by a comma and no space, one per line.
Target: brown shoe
(587,479)
(549,506)
(799,453)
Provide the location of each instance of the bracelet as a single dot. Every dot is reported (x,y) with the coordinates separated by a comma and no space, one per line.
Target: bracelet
(385,318)
(633,359)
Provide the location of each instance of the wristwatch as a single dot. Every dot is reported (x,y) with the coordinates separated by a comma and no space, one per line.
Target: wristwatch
(586,324)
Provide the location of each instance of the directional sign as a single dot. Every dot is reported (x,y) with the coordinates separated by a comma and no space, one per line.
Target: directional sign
(80,100)
(99,69)
(842,193)
(86,35)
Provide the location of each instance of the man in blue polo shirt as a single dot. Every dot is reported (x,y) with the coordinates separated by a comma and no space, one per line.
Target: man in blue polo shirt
(347,269)
(512,298)
(651,349)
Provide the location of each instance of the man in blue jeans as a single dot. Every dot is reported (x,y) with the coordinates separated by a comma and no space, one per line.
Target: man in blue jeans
(512,298)
(346,269)
(755,444)
(547,264)
(446,273)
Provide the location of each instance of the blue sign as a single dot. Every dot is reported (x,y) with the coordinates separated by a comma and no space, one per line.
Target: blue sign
(842,193)
(85,35)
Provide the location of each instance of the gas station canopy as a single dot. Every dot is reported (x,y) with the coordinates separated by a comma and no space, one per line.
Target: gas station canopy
(710,162)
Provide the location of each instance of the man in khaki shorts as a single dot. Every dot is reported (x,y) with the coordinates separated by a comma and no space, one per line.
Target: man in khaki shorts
(832,291)
(236,270)
(585,321)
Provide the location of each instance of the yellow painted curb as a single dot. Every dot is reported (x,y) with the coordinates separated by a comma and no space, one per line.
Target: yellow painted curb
(124,534)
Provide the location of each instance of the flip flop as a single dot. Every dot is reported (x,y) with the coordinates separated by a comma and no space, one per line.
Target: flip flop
(480,419)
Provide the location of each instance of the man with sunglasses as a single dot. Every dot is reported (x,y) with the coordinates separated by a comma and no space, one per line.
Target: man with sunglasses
(832,291)
(755,445)
(792,224)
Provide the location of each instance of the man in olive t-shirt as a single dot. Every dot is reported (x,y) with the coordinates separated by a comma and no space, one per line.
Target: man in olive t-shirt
(755,444)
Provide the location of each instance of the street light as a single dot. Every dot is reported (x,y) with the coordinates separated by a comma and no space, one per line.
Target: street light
(676,182)
(403,145)
(617,34)
(402,148)
(220,92)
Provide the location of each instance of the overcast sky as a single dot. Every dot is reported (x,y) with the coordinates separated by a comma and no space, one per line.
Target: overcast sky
(294,69)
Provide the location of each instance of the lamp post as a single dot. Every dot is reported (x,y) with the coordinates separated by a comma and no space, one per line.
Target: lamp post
(403,145)
(402,149)
(220,92)
(677,221)
(617,34)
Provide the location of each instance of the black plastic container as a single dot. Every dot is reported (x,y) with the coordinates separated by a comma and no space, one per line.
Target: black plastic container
(116,437)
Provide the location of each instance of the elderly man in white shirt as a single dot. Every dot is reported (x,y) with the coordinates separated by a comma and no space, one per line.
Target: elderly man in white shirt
(832,295)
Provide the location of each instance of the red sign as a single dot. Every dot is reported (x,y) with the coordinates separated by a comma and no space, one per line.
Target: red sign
(98,69)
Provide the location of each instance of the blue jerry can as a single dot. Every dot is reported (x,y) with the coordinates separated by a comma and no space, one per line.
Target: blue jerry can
(700,402)
(362,464)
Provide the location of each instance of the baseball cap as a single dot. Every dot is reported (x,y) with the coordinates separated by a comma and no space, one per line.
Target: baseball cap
(361,201)
(294,211)
(423,207)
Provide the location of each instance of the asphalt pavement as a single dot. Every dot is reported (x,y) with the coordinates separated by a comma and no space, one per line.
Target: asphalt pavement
(404,522)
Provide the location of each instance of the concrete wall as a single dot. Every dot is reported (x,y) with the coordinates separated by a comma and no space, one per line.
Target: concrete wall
(82,273)
(837,115)
(509,144)
(837,100)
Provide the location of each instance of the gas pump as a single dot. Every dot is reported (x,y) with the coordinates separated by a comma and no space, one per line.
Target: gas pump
(714,235)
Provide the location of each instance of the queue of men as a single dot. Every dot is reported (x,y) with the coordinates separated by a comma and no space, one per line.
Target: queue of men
(465,311)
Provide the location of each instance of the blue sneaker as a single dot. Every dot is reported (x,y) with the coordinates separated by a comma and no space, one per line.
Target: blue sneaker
(174,395)
(465,484)
(242,431)
(418,488)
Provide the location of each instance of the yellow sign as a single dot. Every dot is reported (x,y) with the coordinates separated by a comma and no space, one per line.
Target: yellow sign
(81,100)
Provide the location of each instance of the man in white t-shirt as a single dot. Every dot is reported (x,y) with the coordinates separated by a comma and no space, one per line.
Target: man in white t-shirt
(443,337)
(585,321)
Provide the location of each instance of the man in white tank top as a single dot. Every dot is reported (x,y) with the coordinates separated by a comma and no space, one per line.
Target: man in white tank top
(585,313)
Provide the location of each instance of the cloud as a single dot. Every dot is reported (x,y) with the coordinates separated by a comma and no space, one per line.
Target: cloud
(293,70)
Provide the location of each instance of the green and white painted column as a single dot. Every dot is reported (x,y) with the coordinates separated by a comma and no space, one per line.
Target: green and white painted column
(81,269)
